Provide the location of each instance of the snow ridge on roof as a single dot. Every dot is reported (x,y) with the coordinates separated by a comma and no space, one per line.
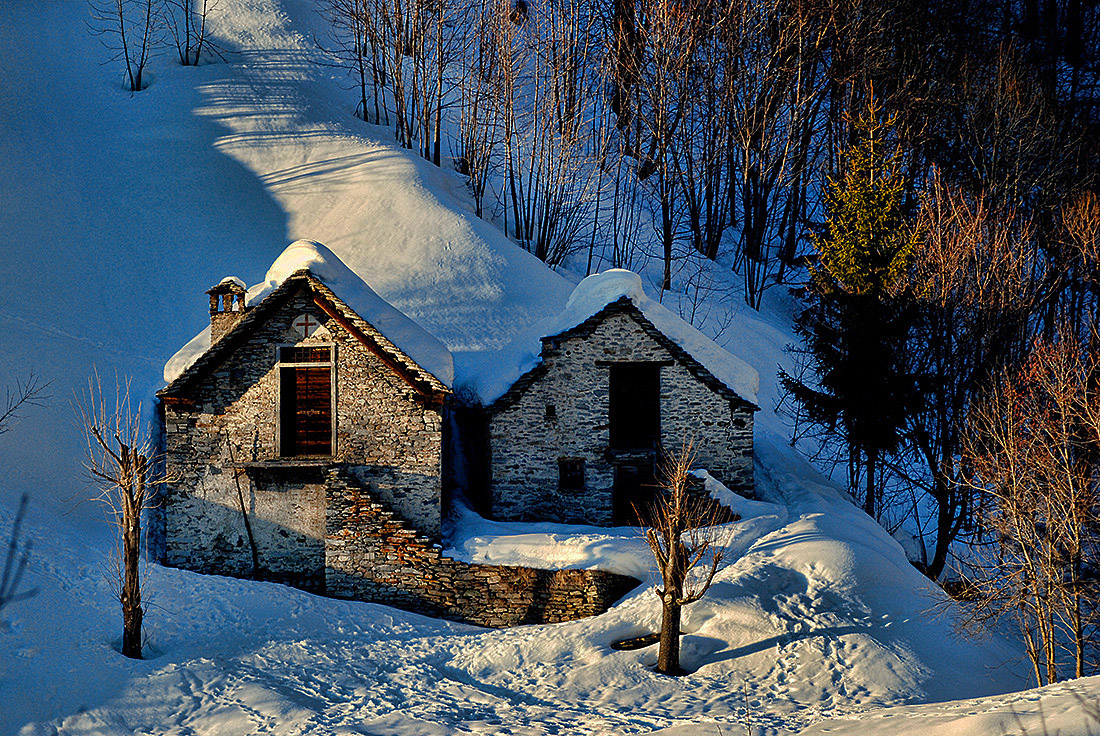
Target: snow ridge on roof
(592,295)
(233,280)
(409,337)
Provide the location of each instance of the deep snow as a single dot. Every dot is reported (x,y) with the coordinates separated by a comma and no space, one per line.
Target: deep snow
(121,210)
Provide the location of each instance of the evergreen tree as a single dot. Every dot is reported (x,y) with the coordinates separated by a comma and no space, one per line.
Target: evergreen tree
(855,322)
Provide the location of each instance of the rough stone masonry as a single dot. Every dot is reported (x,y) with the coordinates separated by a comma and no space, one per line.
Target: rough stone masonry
(360,523)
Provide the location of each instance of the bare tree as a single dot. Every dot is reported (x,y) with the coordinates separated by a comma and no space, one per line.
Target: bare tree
(186,21)
(477,129)
(1033,447)
(978,282)
(355,38)
(1078,259)
(666,87)
(771,87)
(28,392)
(119,463)
(131,30)
(684,534)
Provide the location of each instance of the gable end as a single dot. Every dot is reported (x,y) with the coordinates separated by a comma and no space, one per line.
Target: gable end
(430,387)
(622,305)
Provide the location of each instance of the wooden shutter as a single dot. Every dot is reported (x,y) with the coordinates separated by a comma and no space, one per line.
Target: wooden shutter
(306,408)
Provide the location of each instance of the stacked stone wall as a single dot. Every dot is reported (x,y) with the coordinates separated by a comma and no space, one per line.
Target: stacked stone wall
(526,440)
(371,555)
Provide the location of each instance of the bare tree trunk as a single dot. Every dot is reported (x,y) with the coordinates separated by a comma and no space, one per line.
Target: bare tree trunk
(668,656)
(869,500)
(132,612)
(684,534)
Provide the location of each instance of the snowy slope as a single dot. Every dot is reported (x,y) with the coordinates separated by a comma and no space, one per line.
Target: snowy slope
(1063,709)
(816,615)
(120,211)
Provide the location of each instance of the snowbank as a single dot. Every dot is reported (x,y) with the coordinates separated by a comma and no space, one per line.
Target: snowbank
(498,372)
(621,550)
(1067,709)
(409,337)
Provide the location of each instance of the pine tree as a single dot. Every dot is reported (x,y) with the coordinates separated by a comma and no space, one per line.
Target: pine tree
(855,323)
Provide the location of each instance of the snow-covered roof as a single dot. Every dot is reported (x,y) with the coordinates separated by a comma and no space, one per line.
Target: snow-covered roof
(308,255)
(233,280)
(591,296)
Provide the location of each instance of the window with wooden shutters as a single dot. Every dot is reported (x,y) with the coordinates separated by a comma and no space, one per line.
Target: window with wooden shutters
(305,400)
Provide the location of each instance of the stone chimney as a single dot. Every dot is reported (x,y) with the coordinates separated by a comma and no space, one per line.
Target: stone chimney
(226,306)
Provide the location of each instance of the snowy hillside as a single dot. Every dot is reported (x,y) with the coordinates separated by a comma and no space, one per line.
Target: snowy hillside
(120,211)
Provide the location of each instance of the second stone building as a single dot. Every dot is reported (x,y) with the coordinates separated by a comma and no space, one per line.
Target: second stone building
(618,382)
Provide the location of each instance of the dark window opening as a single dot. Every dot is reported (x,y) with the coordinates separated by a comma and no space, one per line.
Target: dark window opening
(305,401)
(635,406)
(633,494)
(551,412)
(570,473)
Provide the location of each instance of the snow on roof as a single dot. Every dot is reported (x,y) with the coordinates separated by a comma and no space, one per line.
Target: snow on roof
(409,337)
(233,280)
(493,379)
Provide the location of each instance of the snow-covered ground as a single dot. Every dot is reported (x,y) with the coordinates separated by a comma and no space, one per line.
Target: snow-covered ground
(120,210)
(817,614)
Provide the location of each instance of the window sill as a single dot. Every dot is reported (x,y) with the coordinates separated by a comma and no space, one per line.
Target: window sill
(306,461)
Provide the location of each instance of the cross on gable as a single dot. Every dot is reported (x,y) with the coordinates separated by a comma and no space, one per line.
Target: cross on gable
(305,324)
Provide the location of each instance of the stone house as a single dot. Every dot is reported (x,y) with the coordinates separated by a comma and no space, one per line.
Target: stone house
(303,436)
(618,379)
(291,386)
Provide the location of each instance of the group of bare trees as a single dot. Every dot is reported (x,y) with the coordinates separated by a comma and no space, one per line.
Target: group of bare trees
(577,122)
(572,118)
(1033,455)
(134,31)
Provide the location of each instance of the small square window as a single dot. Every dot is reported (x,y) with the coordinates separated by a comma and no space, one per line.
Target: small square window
(570,473)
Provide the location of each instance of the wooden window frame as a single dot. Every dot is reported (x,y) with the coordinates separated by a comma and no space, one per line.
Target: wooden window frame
(280,364)
(580,472)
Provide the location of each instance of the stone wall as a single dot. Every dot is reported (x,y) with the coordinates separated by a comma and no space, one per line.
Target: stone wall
(371,555)
(526,440)
(386,433)
(361,524)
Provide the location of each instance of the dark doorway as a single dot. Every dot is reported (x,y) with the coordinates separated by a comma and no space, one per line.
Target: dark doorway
(635,489)
(635,406)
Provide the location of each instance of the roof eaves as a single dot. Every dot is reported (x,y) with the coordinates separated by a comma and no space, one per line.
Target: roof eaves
(622,305)
(253,316)
(368,333)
